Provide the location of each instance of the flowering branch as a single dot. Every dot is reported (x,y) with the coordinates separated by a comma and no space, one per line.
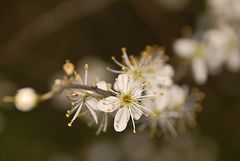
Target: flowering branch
(143,89)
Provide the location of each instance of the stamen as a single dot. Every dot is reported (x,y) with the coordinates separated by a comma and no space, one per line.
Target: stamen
(138,109)
(105,123)
(76,114)
(134,61)
(141,91)
(67,115)
(117,62)
(134,129)
(125,58)
(113,91)
(114,71)
(86,74)
(144,108)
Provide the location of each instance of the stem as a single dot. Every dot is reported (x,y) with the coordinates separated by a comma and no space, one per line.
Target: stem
(92,88)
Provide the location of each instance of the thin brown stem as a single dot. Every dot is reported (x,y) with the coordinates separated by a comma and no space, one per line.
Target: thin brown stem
(91,88)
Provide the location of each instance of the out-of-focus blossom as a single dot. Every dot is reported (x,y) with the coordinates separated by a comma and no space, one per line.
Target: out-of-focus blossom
(194,51)
(174,108)
(26,99)
(226,9)
(218,48)
(222,48)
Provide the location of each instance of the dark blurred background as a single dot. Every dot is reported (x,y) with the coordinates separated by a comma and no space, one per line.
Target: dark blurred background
(37,36)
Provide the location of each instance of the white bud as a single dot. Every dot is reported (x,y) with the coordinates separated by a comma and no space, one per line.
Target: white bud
(26,99)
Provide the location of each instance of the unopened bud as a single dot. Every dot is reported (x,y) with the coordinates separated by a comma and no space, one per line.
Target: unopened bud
(26,99)
(68,68)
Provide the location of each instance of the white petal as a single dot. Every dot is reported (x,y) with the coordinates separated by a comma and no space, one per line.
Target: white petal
(115,86)
(167,70)
(121,119)
(165,80)
(199,70)
(122,82)
(93,113)
(185,47)
(136,113)
(163,99)
(108,104)
(92,102)
(102,85)
(178,95)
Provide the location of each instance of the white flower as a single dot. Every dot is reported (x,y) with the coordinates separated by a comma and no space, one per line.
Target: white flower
(163,106)
(150,67)
(173,108)
(226,9)
(194,51)
(222,47)
(26,99)
(126,102)
(82,98)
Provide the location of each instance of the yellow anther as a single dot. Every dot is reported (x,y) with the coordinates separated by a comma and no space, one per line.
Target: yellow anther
(67,115)
(123,49)
(68,68)
(85,66)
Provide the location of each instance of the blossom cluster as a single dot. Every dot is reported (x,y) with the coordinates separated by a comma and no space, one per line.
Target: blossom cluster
(214,46)
(143,93)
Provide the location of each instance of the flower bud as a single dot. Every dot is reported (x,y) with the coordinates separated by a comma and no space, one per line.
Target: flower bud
(26,99)
(68,68)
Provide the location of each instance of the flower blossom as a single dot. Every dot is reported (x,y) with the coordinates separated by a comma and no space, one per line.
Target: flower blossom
(222,48)
(173,108)
(150,67)
(226,9)
(82,98)
(194,51)
(127,102)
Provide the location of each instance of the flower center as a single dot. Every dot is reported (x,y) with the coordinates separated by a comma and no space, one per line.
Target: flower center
(137,73)
(126,99)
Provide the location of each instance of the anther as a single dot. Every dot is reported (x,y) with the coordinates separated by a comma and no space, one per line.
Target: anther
(85,66)
(67,115)
(123,50)
(70,124)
